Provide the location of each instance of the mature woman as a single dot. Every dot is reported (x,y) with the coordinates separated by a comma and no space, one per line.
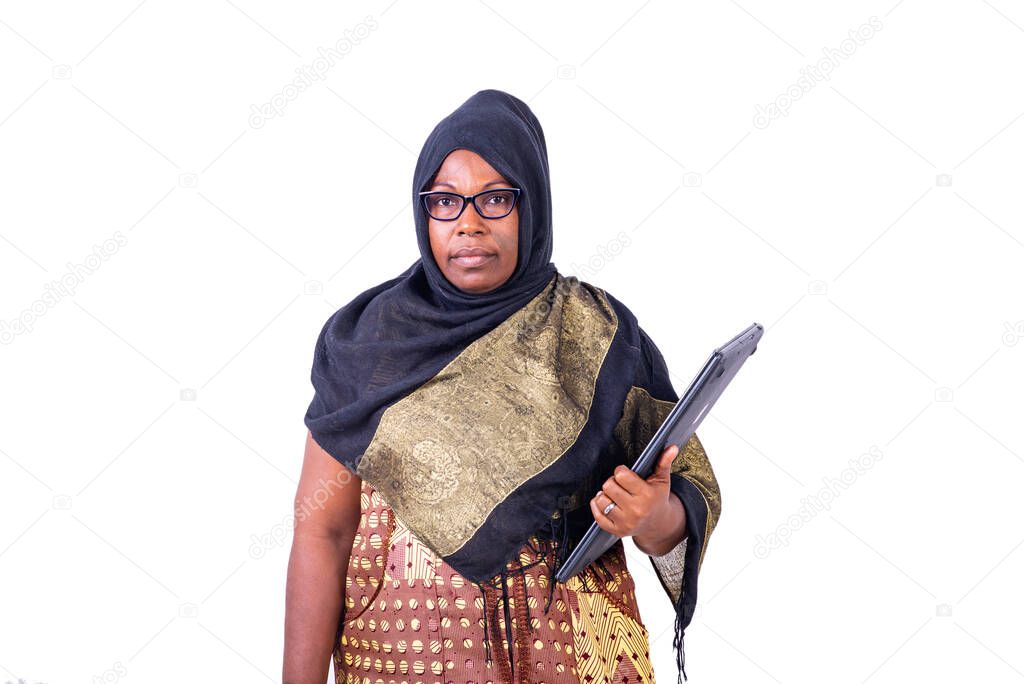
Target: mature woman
(471,417)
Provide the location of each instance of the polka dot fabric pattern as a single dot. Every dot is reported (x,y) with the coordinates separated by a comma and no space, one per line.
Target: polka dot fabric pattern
(410,618)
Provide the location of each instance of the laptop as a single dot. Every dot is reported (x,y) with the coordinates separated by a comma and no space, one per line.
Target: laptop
(678,426)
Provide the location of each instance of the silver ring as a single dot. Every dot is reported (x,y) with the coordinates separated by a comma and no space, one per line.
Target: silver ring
(608,508)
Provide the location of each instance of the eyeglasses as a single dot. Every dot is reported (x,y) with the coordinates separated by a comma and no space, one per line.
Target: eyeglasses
(490,204)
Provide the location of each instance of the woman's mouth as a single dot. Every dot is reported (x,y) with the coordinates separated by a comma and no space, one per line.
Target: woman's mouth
(472,260)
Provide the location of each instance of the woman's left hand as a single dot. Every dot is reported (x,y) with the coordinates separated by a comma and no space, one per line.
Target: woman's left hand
(642,507)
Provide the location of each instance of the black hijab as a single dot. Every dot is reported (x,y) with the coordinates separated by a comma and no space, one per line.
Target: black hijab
(502,130)
(415,323)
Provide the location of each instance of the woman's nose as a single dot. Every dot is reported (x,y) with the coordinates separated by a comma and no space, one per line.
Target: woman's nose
(471,221)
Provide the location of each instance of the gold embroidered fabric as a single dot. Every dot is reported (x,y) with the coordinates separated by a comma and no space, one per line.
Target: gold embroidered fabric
(503,410)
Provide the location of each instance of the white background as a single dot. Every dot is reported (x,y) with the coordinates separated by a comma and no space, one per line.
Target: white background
(875,230)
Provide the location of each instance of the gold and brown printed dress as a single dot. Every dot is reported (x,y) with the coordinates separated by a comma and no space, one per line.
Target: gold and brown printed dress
(411,618)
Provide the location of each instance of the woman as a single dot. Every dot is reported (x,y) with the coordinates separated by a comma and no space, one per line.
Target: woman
(465,413)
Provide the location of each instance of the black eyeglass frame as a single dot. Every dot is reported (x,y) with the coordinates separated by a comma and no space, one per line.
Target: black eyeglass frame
(466,199)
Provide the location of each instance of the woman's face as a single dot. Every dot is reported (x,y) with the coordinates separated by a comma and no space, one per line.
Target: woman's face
(466,173)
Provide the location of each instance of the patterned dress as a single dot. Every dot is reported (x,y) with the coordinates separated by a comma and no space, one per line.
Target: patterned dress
(411,618)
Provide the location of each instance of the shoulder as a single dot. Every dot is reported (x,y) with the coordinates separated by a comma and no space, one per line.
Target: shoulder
(628,327)
(364,311)
(652,373)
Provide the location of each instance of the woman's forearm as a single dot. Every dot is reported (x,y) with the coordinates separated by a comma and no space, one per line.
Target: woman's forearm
(314,598)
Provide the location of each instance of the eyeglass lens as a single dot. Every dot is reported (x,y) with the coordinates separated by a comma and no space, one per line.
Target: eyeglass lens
(493,204)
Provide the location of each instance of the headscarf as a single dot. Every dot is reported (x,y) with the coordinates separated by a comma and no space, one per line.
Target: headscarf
(395,336)
(396,368)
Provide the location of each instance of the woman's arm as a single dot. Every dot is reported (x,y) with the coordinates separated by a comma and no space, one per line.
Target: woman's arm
(326,517)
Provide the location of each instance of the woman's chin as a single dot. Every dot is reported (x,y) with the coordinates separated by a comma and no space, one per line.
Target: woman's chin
(476,283)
